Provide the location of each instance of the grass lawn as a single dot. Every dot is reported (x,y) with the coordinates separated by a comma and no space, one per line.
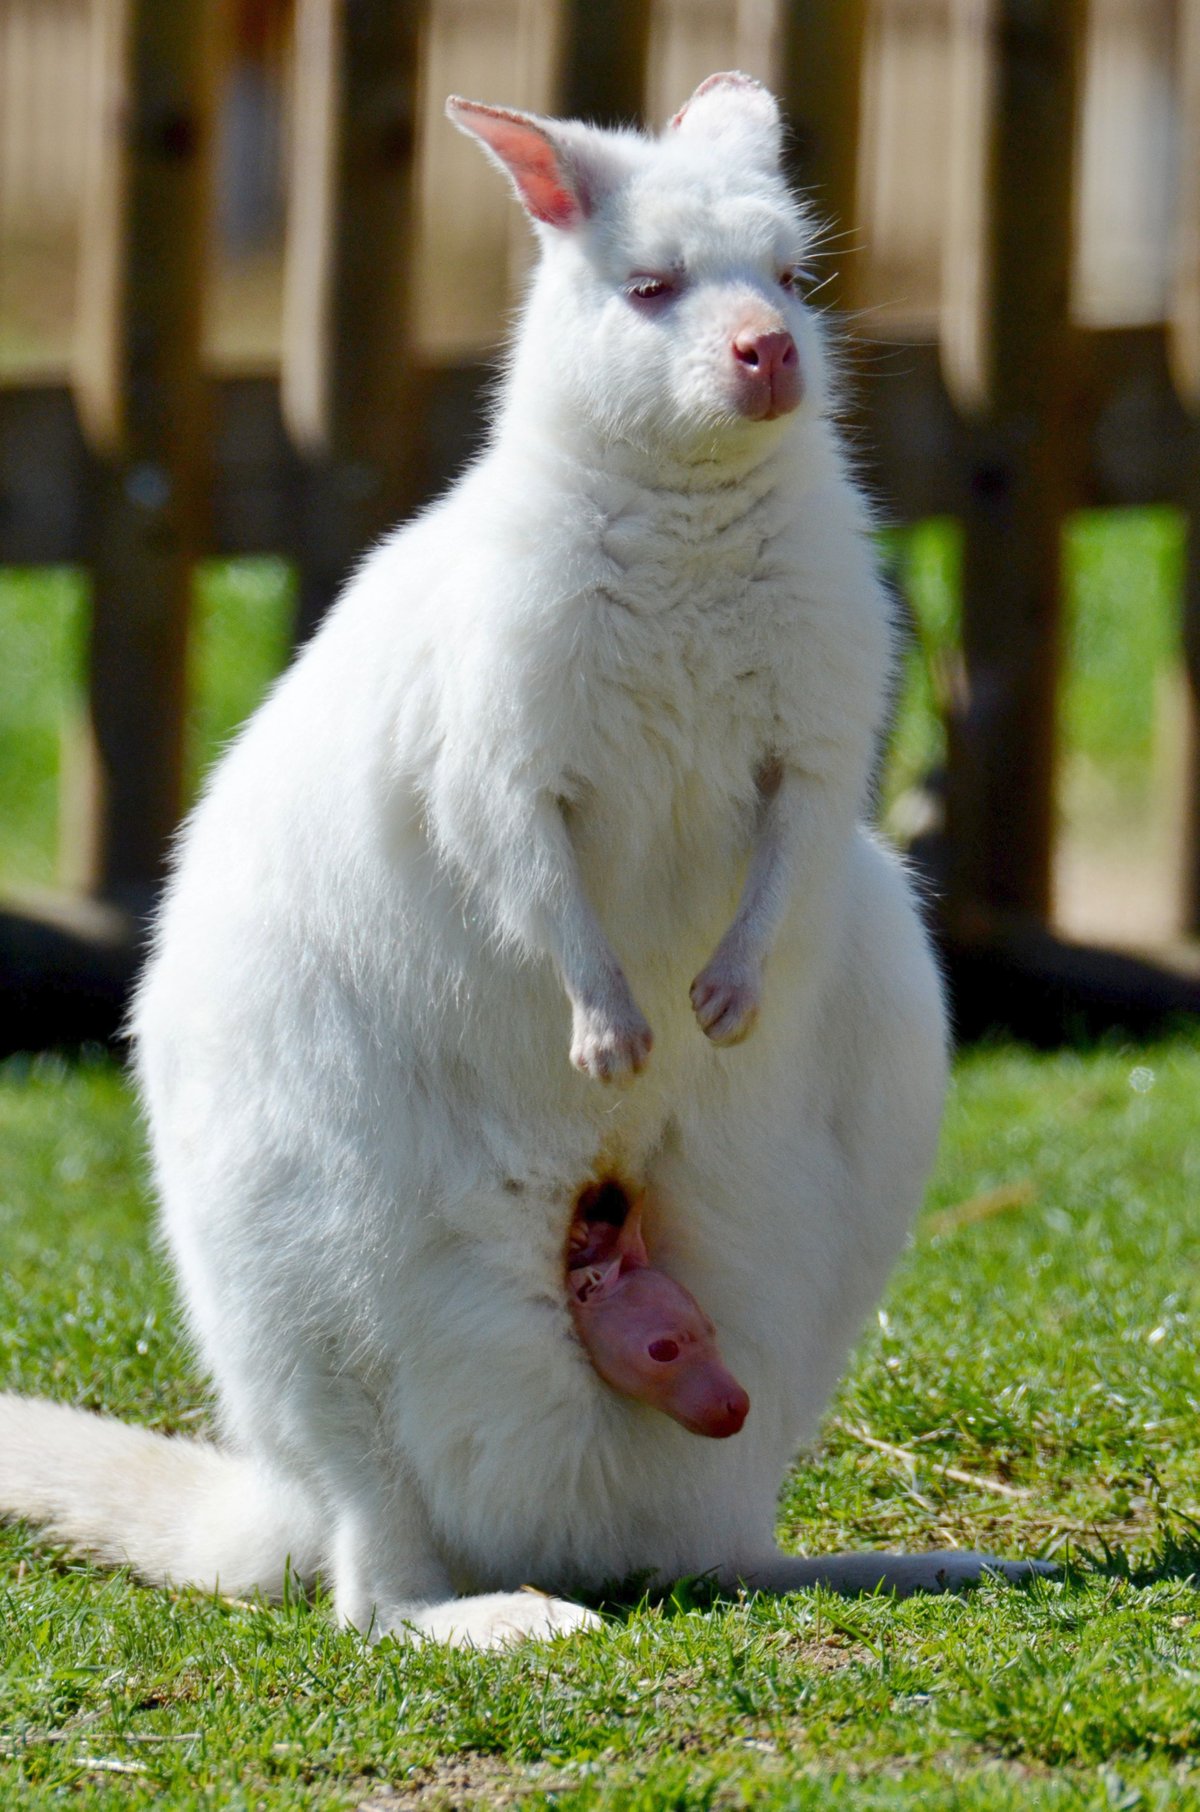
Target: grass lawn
(1039,1339)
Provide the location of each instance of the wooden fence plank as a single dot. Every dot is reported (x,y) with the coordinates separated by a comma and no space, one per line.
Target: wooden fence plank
(1191,654)
(352,396)
(1142,449)
(473,252)
(1184,340)
(308,269)
(689,39)
(906,170)
(821,69)
(962,324)
(43,477)
(141,401)
(1027,474)
(1127,162)
(97,364)
(602,60)
(1185,289)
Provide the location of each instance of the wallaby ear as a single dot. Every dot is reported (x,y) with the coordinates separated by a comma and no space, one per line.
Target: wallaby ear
(734,106)
(533,152)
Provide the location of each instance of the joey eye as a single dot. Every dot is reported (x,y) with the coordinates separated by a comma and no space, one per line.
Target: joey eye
(792,279)
(651,288)
(663,1350)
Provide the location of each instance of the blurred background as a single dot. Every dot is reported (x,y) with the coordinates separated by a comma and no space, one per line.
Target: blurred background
(251,289)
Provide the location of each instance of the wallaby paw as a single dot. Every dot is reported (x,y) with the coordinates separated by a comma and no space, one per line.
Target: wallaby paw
(725,999)
(608,1049)
(498,1619)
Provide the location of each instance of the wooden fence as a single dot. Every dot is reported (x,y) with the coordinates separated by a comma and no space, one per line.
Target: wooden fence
(1025,175)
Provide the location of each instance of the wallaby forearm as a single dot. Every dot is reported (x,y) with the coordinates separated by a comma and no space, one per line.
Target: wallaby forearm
(798,831)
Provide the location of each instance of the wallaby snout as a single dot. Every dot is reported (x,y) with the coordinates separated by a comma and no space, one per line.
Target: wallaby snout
(769,380)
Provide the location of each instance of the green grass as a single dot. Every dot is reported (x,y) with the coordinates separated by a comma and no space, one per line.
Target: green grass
(41,689)
(1121,634)
(1122,630)
(1041,1336)
(925,561)
(240,624)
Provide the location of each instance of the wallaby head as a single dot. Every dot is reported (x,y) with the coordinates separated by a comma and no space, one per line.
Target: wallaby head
(666,311)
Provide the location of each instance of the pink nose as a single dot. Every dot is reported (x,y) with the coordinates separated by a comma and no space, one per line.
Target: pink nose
(769,374)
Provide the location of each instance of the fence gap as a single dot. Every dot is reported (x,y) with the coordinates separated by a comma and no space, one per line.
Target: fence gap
(352,397)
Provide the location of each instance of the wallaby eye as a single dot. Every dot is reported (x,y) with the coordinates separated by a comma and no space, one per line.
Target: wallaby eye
(647,288)
(791,278)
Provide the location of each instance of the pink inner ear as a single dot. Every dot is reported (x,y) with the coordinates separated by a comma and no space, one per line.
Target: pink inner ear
(727,78)
(530,159)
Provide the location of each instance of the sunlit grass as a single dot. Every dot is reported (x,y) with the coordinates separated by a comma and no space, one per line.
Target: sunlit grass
(1121,635)
(1040,1339)
(42,630)
(239,641)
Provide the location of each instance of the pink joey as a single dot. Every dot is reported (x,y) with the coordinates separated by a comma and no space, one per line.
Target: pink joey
(645,1334)
(665,337)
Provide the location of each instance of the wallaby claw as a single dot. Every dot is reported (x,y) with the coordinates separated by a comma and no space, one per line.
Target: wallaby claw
(726,1002)
(608,1051)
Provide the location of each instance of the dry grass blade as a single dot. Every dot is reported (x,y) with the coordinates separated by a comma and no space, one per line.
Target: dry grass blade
(913,1460)
(982,1207)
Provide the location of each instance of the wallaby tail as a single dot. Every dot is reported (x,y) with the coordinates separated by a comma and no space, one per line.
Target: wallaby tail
(172,1509)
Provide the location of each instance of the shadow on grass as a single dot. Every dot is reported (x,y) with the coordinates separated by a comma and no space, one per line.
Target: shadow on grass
(1174,1555)
(621,1600)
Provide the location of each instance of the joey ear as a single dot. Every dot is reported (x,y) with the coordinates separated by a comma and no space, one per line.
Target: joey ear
(734,106)
(534,153)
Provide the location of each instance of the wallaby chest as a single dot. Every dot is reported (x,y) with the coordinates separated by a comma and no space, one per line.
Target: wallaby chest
(686,600)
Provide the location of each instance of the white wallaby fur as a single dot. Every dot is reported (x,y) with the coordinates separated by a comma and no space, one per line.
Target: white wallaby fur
(589,737)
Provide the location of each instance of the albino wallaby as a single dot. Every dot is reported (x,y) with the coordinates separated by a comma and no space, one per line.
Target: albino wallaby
(441,1043)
